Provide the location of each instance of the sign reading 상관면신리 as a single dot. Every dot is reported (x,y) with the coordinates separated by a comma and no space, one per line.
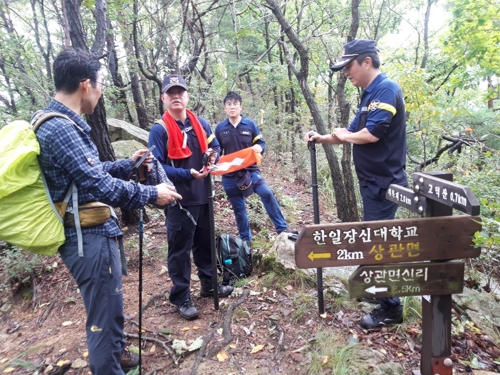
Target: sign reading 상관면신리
(407,279)
(386,241)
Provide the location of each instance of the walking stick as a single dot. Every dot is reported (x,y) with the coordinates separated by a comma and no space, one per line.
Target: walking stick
(314,184)
(141,235)
(211,193)
(135,169)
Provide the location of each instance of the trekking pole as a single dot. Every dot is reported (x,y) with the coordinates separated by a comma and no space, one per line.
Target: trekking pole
(211,193)
(141,234)
(135,169)
(311,145)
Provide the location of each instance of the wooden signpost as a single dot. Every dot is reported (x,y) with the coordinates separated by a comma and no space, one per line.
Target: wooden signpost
(388,241)
(446,192)
(407,279)
(406,257)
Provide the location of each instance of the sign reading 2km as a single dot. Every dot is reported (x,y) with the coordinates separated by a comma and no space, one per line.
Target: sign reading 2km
(387,241)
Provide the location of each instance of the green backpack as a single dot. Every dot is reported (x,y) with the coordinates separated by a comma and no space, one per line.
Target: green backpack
(28,217)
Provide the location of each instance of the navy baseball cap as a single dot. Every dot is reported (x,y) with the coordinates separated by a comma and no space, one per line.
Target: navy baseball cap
(352,49)
(173,80)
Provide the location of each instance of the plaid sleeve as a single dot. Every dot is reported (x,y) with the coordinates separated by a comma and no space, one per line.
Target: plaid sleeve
(75,154)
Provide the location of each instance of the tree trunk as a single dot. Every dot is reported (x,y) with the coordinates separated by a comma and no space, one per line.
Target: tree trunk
(343,211)
(115,74)
(140,109)
(426,34)
(344,106)
(97,120)
(45,52)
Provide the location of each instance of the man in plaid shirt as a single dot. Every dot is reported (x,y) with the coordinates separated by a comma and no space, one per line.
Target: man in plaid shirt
(69,156)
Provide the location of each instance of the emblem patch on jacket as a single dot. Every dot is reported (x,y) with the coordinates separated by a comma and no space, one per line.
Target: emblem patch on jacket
(374,105)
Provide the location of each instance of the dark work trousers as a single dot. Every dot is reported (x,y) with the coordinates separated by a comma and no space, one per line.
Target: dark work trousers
(99,277)
(238,202)
(377,207)
(183,236)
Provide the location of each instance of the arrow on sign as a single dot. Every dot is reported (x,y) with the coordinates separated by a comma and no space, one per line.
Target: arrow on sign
(375,290)
(312,255)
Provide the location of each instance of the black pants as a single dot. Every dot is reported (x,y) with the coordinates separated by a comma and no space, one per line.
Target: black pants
(183,236)
(377,207)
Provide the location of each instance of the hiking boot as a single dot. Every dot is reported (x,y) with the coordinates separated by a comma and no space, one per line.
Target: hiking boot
(207,289)
(128,360)
(372,300)
(382,315)
(187,310)
(290,230)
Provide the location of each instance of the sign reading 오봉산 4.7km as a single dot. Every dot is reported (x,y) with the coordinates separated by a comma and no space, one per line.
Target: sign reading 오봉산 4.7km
(387,241)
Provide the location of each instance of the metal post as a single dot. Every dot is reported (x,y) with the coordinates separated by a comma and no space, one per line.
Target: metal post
(314,184)
(141,237)
(215,279)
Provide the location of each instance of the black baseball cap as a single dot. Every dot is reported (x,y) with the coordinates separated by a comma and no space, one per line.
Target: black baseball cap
(352,49)
(173,80)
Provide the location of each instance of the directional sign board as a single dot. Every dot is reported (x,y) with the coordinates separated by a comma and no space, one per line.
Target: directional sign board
(449,193)
(407,279)
(406,198)
(386,241)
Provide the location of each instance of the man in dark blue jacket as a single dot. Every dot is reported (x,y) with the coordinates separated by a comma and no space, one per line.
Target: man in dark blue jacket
(378,133)
(233,134)
(182,139)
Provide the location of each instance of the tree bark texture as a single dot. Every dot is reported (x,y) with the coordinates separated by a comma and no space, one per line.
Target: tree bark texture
(301,75)
(115,74)
(96,120)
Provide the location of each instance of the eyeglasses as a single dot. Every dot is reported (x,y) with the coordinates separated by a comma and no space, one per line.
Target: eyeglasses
(103,85)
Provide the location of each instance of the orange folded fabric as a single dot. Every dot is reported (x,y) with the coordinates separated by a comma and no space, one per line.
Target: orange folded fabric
(237,160)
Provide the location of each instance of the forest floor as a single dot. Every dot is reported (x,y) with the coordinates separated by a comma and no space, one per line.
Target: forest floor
(270,325)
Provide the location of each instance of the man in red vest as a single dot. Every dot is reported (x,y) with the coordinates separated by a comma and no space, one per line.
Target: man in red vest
(182,139)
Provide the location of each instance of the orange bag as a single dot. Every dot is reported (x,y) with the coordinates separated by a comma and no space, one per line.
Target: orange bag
(237,160)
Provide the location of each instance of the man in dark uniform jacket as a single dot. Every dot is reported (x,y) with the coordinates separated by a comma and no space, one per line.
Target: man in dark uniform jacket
(378,133)
(233,134)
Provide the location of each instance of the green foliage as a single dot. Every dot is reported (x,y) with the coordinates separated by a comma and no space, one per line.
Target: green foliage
(302,306)
(278,278)
(332,355)
(472,39)
(18,266)
(17,361)
(485,183)
(412,309)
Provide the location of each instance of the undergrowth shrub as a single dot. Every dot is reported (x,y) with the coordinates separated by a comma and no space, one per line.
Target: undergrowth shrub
(18,266)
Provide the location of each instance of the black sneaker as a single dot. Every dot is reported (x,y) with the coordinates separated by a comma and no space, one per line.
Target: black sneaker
(128,360)
(382,316)
(187,310)
(207,289)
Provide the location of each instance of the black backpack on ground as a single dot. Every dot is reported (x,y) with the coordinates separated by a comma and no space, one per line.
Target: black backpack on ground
(234,258)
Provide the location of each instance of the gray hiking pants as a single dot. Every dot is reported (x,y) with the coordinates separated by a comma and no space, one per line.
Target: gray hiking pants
(99,277)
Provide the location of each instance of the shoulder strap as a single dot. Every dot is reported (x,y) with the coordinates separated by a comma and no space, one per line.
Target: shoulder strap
(188,129)
(161,122)
(40,117)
